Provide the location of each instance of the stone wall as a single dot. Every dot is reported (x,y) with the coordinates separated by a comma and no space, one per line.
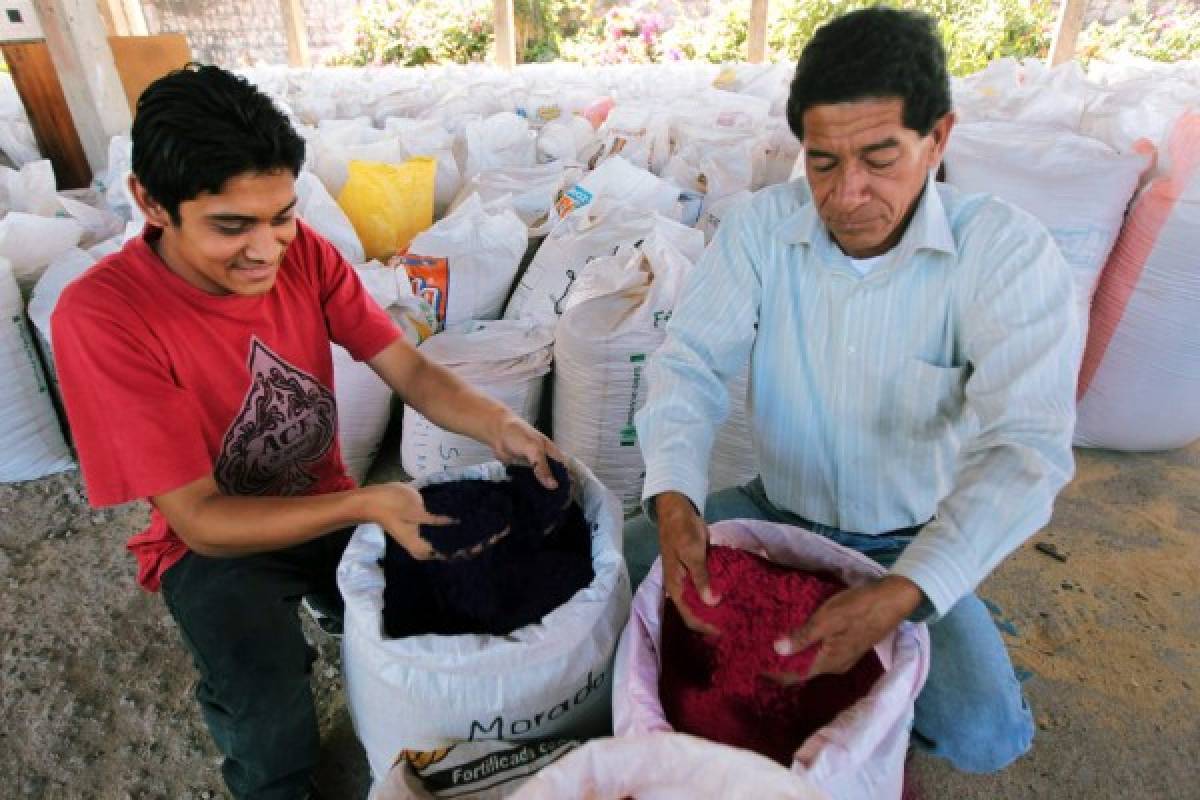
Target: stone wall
(236,34)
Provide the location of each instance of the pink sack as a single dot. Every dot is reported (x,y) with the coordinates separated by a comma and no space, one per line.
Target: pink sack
(860,755)
(1141,368)
(665,766)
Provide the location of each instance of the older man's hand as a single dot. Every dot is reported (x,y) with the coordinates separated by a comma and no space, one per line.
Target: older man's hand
(849,624)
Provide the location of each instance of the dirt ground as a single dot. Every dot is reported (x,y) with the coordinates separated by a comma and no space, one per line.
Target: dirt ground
(95,686)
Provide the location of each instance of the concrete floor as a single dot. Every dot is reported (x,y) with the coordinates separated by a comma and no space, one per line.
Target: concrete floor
(95,699)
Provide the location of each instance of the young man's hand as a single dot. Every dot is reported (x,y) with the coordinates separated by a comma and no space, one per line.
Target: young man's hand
(849,624)
(399,509)
(515,441)
(683,542)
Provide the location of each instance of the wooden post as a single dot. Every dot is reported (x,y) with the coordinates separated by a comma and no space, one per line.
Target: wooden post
(506,43)
(1066,31)
(41,93)
(124,17)
(757,39)
(78,43)
(296,29)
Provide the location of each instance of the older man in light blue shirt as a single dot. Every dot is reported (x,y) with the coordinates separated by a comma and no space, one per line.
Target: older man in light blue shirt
(913,354)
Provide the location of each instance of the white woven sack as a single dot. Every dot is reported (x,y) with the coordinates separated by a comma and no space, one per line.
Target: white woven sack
(860,754)
(31,442)
(665,766)
(549,679)
(317,207)
(507,360)
(364,401)
(484,245)
(499,141)
(1078,187)
(613,322)
(29,243)
(594,231)
(533,191)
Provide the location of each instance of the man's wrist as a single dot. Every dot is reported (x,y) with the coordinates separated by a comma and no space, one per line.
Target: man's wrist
(903,592)
(673,504)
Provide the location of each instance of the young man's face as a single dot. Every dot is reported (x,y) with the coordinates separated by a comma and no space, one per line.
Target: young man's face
(867,170)
(231,242)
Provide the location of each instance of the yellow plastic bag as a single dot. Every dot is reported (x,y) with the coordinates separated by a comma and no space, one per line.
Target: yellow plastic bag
(389,204)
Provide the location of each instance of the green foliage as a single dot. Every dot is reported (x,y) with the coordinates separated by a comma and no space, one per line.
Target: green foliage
(1170,33)
(975,32)
(411,33)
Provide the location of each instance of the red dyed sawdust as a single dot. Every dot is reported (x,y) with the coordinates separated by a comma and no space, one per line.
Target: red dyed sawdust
(715,687)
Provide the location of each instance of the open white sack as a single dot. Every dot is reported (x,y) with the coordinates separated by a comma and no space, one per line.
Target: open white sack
(550,679)
(508,360)
(858,756)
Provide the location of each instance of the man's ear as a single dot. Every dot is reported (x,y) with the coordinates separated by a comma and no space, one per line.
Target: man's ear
(940,136)
(155,214)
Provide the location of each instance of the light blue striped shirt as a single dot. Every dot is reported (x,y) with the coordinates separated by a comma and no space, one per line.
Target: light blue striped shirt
(940,385)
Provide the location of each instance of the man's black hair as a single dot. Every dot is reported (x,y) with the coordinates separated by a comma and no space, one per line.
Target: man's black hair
(874,53)
(199,126)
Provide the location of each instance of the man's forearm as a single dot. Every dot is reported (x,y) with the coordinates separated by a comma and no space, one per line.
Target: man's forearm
(438,394)
(224,526)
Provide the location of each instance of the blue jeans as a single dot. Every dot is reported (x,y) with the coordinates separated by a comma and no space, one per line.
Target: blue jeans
(971,711)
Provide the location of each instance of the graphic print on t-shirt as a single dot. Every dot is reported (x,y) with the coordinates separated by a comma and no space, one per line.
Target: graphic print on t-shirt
(287,424)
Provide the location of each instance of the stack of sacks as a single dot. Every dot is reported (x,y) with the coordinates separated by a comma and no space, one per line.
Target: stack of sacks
(500,141)
(548,679)
(616,205)
(615,318)
(565,140)
(17,141)
(515,552)
(1141,369)
(31,232)
(317,207)
(428,138)
(507,360)
(860,752)
(31,442)
(465,265)
(1078,187)
(638,132)
(1025,91)
(534,191)
(364,401)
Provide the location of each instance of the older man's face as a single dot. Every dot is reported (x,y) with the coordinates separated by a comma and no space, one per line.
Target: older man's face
(867,170)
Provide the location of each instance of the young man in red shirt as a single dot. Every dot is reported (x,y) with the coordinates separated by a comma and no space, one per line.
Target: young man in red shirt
(196,371)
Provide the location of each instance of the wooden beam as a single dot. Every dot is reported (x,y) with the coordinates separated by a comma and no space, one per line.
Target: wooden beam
(78,42)
(37,85)
(123,17)
(296,29)
(757,38)
(135,17)
(506,42)
(1066,31)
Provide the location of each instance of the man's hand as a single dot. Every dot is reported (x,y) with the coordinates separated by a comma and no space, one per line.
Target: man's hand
(515,441)
(849,624)
(683,542)
(399,509)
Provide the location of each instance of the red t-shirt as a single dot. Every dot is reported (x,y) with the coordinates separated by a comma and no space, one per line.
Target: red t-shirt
(165,384)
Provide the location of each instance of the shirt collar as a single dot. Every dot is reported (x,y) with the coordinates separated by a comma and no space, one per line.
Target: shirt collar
(929,229)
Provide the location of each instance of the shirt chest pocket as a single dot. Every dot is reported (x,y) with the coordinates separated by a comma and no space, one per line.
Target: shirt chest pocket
(930,398)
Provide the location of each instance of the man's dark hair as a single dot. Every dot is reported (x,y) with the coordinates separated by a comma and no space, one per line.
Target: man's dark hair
(199,126)
(874,53)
